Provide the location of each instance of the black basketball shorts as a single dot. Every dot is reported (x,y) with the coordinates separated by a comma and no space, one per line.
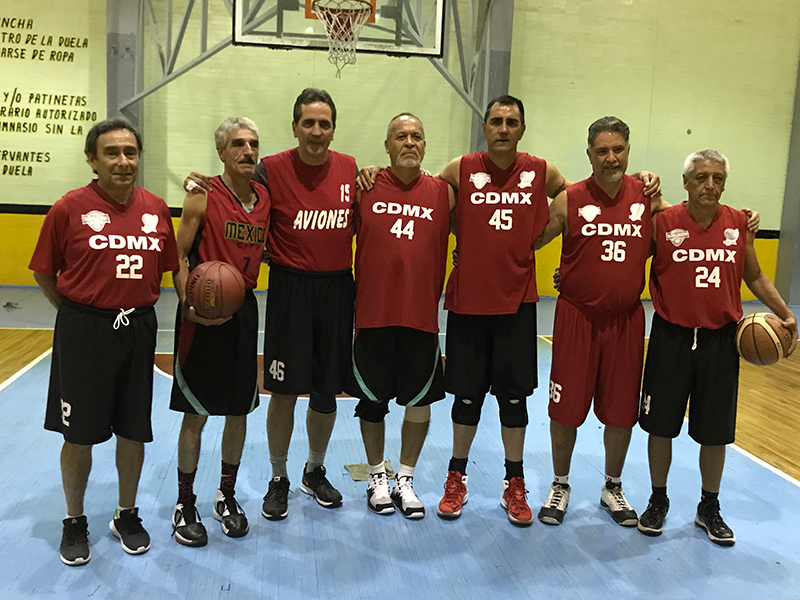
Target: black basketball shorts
(395,362)
(216,368)
(492,353)
(101,375)
(309,331)
(700,366)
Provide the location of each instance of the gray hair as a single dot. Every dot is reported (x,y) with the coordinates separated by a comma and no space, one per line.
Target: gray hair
(403,114)
(700,155)
(223,131)
(611,125)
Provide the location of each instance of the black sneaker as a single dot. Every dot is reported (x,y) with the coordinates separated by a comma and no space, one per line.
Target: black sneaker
(708,518)
(553,511)
(186,525)
(317,485)
(652,520)
(276,502)
(127,526)
(228,512)
(74,548)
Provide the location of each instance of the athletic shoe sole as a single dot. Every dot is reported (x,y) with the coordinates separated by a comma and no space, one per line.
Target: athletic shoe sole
(550,519)
(304,488)
(651,531)
(77,562)
(716,540)
(140,550)
(272,517)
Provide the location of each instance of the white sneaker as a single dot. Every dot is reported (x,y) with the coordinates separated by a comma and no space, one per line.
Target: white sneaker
(552,513)
(378,500)
(613,500)
(406,500)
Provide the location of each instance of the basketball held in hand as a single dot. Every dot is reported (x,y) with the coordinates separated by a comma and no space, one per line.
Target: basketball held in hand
(761,339)
(215,289)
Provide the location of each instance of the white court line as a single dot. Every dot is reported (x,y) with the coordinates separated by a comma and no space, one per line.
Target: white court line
(766,465)
(24,370)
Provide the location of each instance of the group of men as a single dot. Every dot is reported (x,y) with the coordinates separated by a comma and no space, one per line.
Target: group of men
(304,204)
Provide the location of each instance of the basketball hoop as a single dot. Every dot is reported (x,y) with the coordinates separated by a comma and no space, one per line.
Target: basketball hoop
(343,21)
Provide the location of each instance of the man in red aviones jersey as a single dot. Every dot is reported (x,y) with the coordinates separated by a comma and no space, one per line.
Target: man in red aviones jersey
(99,260)
(598,333)
(309,323)
(216,370)
(703,251)
(403,226)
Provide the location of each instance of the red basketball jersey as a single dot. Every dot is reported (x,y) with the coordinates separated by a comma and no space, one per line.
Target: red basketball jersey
(311,215)
(604,253)
(105,254)
(232,234)
(499,215)
(401,252)
(696,273)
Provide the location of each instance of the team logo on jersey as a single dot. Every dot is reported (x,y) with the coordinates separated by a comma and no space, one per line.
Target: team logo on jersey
(149,223)
(589,212)
(731,237)
(676,236)
(480,179)
(637,210)
(95,219)
(526,178)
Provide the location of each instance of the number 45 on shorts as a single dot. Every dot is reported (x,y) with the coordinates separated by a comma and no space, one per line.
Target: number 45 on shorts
(276,370)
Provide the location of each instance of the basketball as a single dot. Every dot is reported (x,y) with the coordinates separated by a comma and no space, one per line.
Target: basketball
(761,339)
(215,289)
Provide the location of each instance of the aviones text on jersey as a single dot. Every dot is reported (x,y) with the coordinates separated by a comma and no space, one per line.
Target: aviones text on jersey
(406,210)
(245,232)
(129,242)
(609,230)
(501,197)
(336,218)
(707,255)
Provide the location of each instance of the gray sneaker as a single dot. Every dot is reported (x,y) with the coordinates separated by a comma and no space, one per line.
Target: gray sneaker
(613,500)
(552,513)
(378,500)
(406,500)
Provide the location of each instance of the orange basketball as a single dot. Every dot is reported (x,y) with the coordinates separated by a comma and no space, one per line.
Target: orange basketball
(761,339)
(215,289)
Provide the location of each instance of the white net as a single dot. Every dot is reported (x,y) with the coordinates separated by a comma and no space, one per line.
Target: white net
(343,21)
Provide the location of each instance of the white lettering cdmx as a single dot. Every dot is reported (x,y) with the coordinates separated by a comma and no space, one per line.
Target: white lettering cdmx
(707,255)
(501,197)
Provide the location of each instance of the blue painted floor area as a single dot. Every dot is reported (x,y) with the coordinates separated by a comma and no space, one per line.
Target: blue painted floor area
(350,553)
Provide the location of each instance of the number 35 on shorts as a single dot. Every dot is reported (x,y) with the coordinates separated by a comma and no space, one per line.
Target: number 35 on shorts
(555,392)
(276,370)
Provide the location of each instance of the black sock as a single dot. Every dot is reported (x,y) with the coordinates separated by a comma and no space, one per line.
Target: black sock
(513,469)
(659,491)
(706,496)
(458,464)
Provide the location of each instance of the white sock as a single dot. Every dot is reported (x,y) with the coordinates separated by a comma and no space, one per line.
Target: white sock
(614,480)
(376,469)
(561,479)
(405,471)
